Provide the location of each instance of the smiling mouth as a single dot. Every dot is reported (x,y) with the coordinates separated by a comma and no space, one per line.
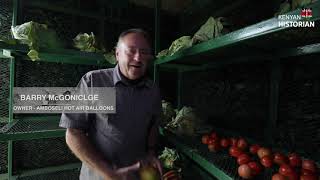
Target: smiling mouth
(136,66)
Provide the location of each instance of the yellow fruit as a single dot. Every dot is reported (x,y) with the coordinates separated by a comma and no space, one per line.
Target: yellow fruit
(149,173)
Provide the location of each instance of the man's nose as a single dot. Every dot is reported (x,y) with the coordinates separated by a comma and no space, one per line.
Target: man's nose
(137,56)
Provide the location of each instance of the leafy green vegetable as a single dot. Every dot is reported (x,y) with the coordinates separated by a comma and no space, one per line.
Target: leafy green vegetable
(36,36)
(168,112)
(179,44)
(211,29)
(168,158)
(110,57)
(86,42)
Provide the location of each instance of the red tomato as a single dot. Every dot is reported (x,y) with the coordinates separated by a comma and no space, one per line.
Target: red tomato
(286,170)
(279,158)
(233,141)
(210,140)
(244,171)
(242,144)
(254,148)
(214,135)
(214,147)
(264,152)
(224,142)
(308,177)
(205,139)
(293,176)
(256,168)
(266,161)
(235,151)
(306,172)
(309,165)
(294,160)
(279,177)
(243,159)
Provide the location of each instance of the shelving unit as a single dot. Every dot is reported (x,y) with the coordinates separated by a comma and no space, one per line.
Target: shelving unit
(264,42)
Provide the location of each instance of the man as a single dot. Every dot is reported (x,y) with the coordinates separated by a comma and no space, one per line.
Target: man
(114,146)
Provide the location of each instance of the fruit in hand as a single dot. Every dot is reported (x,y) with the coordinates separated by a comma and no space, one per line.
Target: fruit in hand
(149,173)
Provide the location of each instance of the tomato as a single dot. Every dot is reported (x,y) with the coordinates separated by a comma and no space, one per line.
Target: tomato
(294,160)
(210,140)
(266,161)
(309,165)
(279,158)
(214,147)
(242,144)
(264,152)
(244,171)
(243,159)
(254,148)
(214,135)
(235,151)
(306,172)
(308,177)
(205,139)
(233,141)
(279,177)
(285,169)
(256,167)
(224,142)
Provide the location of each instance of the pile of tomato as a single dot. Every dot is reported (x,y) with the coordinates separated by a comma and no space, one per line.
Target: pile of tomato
(253,159)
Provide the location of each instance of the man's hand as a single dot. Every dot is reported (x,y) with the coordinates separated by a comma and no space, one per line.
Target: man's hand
(124,173)
(151,160)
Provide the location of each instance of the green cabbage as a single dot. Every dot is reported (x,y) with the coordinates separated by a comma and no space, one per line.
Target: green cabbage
(168,112)
(110,57)
(87,43)
(168,158)
(179,44)
(36,36)
(211,29)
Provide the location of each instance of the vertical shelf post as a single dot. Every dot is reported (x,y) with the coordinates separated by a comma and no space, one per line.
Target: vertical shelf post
(275,77)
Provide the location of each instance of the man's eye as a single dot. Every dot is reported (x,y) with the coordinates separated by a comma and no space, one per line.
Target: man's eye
(131,50)
(145,51)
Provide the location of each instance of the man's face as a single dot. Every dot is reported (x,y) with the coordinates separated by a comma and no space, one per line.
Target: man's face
(133,55)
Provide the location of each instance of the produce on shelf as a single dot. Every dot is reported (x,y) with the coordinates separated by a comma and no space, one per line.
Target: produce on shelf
(279,158)
(110,57)
(163,53)
(294,160)
(245,171)
(169,157)
(185,123)
(36,36)
(179,44)
(168,112)
(254,148)
(292,167)
(171,175)
(210,30)
(87,42)
(264,152)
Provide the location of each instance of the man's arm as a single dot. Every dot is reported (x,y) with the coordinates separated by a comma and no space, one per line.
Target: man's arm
(79,144)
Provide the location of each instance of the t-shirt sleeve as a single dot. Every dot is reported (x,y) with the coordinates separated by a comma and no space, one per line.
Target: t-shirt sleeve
(77,120)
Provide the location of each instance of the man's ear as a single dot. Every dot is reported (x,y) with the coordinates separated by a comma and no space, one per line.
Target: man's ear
(117,53)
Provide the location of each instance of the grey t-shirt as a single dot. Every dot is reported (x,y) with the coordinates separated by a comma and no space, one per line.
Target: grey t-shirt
(120,137)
